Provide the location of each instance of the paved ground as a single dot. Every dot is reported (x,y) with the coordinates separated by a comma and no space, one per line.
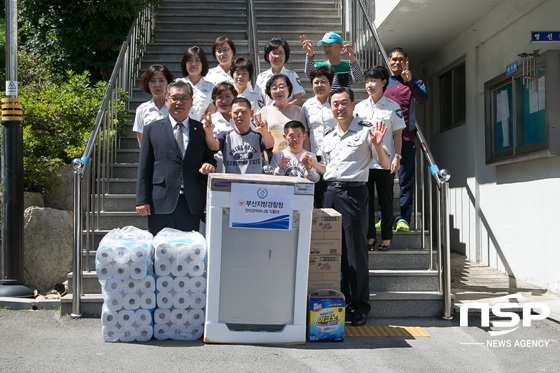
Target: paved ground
(43,340)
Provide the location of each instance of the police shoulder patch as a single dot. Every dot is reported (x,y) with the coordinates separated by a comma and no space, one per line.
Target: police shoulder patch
(298,81)
(329,131)
(399,113)
(365,123)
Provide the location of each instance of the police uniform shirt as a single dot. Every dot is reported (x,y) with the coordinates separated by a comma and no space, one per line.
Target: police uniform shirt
(148,112)
(253,97)
(217,75)
(202,97)
(320,120)
(386,111)
(348,155)
(262,79)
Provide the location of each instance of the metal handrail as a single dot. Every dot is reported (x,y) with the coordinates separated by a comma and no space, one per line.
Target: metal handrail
(253,41)
(95,165)
(369,52)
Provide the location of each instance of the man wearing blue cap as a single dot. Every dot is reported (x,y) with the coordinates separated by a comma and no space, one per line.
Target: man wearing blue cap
(344,73)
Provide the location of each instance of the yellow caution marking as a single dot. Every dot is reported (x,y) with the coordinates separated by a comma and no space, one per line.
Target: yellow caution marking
(384,331)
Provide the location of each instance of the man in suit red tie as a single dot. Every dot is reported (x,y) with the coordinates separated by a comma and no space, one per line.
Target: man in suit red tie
(173,166)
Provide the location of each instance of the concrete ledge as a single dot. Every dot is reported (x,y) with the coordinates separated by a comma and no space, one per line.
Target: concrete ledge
(29,303)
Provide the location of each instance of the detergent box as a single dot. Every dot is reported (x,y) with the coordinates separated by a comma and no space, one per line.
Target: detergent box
(326,316)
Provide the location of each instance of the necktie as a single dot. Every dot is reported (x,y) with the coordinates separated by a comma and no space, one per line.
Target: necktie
(179,136)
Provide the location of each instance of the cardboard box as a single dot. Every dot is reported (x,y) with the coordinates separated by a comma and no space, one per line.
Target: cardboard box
(319,263)
(319,285)
(325,247)
(326,220)
(324,276)
(326,316)
(328,235)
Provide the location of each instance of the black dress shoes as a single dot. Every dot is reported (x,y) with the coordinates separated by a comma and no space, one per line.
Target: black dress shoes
(359,319)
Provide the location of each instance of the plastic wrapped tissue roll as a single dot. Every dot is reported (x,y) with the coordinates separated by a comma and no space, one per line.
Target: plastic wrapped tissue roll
(124,265)
(180,268)
(126,325)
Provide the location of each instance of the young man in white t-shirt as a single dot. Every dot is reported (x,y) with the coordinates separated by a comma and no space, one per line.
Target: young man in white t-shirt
(294,160)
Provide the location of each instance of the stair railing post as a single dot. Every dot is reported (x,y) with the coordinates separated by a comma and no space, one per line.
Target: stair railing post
(446,267)
(78,167)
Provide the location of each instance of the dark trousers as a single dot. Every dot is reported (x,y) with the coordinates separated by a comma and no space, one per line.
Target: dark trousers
(406,180)
(180,219)
(320,187)
(352,204)
(382,180)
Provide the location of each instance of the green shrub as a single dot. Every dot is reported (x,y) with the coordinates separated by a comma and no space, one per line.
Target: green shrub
(57,121)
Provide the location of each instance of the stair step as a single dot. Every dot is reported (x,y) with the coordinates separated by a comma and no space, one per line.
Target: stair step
(128,155)
(406,304)
(125,170)
(403,280)
(119,202)
(401,259)
(107,220)
(90,305)
(90,283)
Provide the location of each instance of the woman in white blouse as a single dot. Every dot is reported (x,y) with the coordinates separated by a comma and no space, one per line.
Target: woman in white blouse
(154,81)
(194,67)
(242,72)
(223,51)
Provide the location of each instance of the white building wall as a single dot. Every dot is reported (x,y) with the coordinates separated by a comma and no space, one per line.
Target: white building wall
(504,216)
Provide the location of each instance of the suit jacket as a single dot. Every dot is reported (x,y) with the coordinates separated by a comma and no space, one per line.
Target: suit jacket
(161,169)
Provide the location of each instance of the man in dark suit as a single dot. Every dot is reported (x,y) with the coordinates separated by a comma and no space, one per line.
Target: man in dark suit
(173,166)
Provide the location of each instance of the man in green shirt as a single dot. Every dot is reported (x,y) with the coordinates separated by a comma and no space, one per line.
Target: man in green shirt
(345,73)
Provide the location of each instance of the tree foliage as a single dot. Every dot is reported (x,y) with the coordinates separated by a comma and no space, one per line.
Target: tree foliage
(77,35)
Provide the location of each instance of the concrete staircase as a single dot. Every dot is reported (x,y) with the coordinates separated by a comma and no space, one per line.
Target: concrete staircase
(400,282)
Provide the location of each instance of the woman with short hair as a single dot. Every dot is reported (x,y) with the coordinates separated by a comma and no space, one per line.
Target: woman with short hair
(194,67)
(223,51)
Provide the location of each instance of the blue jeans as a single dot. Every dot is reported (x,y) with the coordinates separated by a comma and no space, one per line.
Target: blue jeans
(406,180)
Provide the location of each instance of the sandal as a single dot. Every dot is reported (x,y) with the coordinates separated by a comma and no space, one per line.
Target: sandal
(383,247)
(371,246)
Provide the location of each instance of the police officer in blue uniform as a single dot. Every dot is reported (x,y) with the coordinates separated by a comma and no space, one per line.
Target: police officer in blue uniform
(348,150)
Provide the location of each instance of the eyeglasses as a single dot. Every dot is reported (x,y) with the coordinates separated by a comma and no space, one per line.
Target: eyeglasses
(176,99)
(277,53)
(224,50)
(278,88)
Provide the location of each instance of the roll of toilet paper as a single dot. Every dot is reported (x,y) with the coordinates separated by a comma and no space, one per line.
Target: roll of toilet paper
(144,333)
(198,284)
(181,300)
(104,254)
(147,285)
(179,316)
(130,285)
(114,285)
(198,300)
(164,284)
(142,317)
(105,270)
(121,254)
(131,301)
(111,333)
(148,301)
(128,334)
(197,252)
(114,301)
(181,284)
(181,267)
(161,331)
(138,270)
(196,268)
(162,316)
(163,267)
(108,317)
(121,270)
(194,332)
(125,318)
(163,251)
(164,300)
(196,317)
(138,254)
